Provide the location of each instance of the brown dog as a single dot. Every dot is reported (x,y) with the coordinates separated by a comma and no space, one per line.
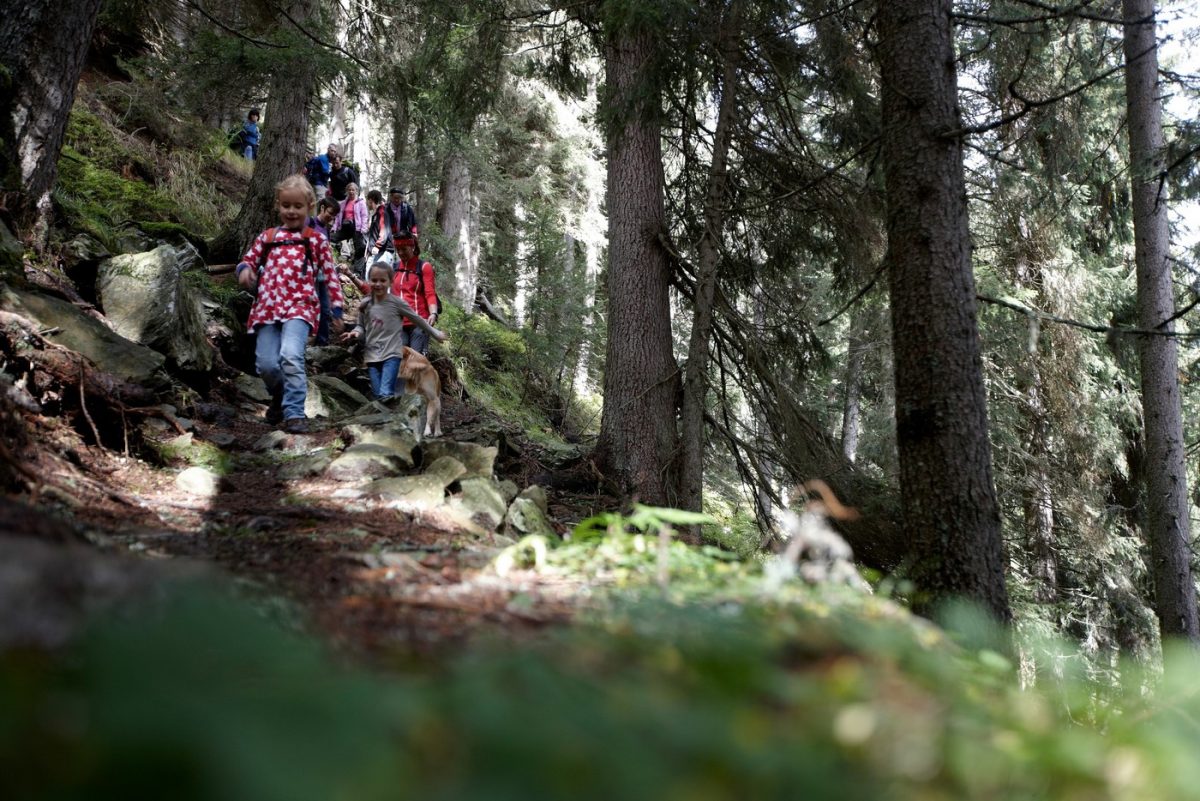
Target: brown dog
(420,378)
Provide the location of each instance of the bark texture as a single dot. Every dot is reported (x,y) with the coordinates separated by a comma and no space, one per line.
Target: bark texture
(695,378)
(454,218)
(280,154)
(400,126)
(43,46)
(856,354)
(1167,524)
(637,428)
(949,502)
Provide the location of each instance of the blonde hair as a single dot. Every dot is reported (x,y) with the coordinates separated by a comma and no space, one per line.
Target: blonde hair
(300,184)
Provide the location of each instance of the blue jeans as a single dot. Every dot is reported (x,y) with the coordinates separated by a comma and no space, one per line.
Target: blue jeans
(326,313)
(279,357)
(417,339)
(383,376)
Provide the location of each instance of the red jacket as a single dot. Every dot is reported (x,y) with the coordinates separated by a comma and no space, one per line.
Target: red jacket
(407,286)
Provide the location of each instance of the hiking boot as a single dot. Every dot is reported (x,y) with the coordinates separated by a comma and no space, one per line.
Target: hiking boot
(274,413)
(297,425)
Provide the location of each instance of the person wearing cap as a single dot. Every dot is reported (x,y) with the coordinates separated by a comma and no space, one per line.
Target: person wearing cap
(414,284)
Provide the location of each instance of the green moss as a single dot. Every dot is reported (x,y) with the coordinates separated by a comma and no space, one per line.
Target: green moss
(197,453)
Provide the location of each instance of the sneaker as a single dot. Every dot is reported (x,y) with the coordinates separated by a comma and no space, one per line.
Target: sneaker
(274,413)
(297,425)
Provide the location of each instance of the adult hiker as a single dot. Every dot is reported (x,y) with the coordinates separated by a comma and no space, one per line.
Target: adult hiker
(414,284)
(393,219)
(317,171)
(351,223)
(341,175)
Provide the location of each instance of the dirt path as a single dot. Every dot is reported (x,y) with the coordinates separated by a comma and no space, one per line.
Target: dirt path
(377,581)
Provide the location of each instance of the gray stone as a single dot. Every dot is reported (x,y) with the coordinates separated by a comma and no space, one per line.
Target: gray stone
(309,466)
(147,299)
(85,249)
(324,358)
(74,330)
(536,494)
(394,436)
(423,490)
(478,460)
(481,502)
(508,489)
(525,517)
(252,387)
(367,462)
(270,441)
(198,481)
(331,397)
(222,439)
(447,469)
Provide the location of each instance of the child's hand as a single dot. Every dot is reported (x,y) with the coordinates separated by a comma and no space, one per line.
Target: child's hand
(349,336)
(440,335)
(247,276)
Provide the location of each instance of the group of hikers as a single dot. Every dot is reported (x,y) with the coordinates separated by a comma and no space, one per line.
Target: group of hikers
(298,284)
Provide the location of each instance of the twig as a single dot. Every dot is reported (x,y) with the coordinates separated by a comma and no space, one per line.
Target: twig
(83,406)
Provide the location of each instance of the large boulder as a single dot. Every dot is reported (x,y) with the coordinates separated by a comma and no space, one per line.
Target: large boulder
(68,326)
(147,299)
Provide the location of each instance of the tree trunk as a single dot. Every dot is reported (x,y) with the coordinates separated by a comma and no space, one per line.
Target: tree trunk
(637,427)
(400,125)
(1167,525)
(454,218)
(43,46)
(948,498)
(695,377)
(281,153)
(856,354)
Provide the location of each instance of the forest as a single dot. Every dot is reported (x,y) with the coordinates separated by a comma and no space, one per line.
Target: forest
(793,399)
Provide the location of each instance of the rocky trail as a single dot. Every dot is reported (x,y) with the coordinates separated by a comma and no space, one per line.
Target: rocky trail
(380,541)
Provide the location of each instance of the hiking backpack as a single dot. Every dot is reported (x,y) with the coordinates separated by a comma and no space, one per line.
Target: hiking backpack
(272,242)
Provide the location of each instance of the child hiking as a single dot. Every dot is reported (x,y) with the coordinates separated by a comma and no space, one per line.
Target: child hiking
(282,265)
(381,320)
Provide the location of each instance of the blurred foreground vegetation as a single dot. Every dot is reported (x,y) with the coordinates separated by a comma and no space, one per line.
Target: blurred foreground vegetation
(831,695)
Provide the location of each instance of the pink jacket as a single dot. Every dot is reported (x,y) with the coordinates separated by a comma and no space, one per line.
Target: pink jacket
(360,215)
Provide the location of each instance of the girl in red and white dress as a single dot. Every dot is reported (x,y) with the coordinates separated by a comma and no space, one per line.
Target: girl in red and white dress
(282,265)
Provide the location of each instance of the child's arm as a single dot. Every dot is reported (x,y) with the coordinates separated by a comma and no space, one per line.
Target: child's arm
(325,259)
(404,310)
(247,269)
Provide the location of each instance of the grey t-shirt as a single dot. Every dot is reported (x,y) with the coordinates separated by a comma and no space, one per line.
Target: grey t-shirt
(381,327)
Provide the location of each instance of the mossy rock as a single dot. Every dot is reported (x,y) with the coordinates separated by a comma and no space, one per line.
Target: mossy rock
(480,501)
(330,397)
(309,466)
(74,330)
(395,437)
(360,462)
(174,234)
(146,299)
(421,490)
(479,460)
(525,517)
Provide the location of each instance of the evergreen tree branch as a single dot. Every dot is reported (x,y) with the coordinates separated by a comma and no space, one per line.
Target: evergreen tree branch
(1107,330)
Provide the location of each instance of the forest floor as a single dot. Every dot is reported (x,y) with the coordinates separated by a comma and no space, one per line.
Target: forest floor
(372,580)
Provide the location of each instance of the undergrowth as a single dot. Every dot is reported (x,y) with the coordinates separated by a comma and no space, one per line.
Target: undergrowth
(828,695)
(499,373)
(118,174)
